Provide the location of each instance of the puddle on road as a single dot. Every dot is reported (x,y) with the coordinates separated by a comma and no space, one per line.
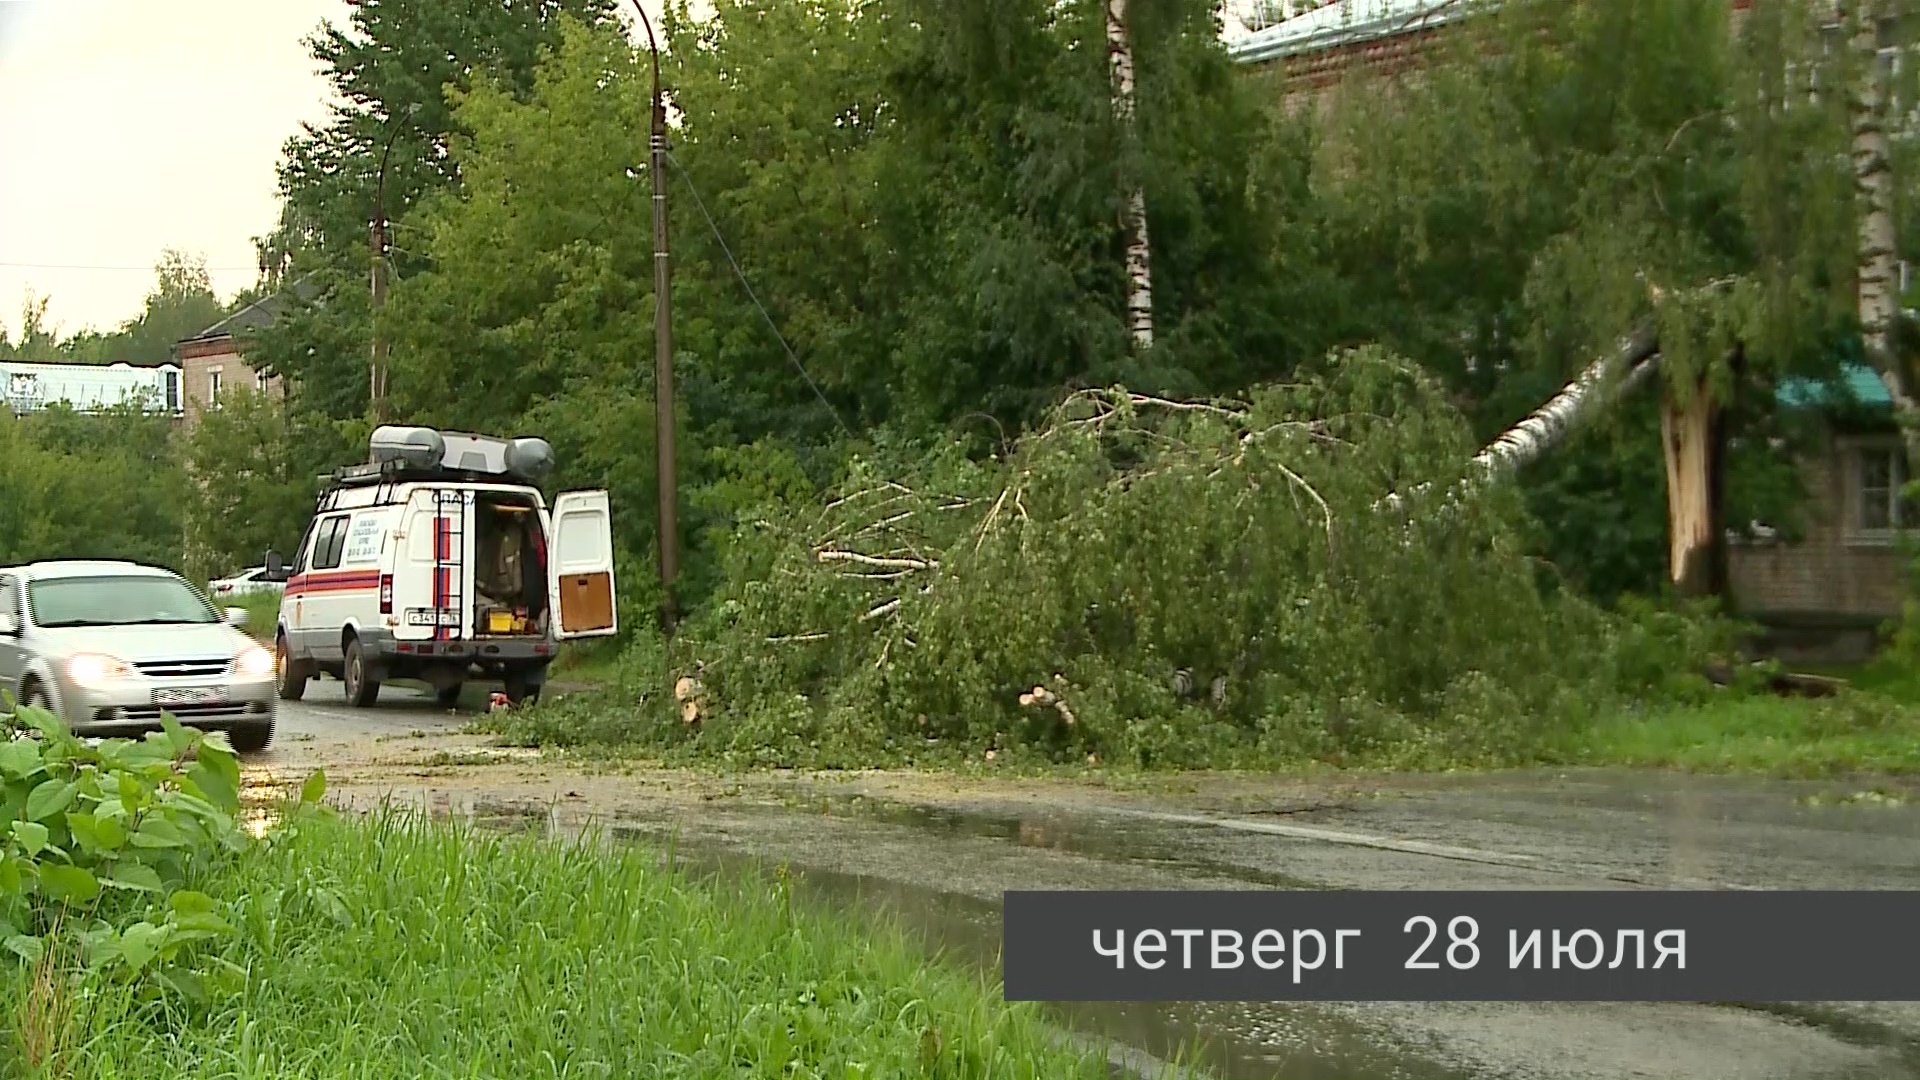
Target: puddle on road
(1132,842)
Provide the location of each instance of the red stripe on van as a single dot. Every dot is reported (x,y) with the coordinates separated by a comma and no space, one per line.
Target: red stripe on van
(339,581)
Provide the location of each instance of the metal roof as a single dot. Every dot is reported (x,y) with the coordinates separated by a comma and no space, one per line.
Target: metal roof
(261,312)
(1346,22)
(85,387)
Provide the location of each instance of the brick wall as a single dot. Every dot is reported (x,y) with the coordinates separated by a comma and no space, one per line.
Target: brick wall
(204,361)
(1838,570)
(1306,79)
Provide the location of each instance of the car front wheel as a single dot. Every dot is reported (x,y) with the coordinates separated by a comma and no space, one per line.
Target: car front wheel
(251,737)
(36,698)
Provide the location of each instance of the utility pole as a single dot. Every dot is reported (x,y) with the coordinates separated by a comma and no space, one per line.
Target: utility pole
(377,367)
(669,527)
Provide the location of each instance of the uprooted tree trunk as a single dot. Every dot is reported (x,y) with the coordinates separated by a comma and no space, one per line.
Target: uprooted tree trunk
(1631,362)
(1693,437)
(1687,427)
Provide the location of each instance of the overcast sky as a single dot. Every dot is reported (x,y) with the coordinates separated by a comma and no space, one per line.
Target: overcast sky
(131,126)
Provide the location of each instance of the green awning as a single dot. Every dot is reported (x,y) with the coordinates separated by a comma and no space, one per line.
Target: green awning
(1858,385)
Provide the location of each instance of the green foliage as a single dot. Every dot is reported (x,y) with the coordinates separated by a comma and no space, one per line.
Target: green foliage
(100,840)
(98,486)
(391,65)
(181,304)
(400,947)
(935,605)
(257,465)
(1555,174)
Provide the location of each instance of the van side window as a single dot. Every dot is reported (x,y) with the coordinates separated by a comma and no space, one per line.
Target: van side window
(304,552)
(333,537)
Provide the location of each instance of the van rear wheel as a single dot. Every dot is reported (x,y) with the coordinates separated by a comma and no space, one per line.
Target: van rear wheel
(362,691)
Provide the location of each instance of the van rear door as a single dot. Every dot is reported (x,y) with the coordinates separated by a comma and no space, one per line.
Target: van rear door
(580,566)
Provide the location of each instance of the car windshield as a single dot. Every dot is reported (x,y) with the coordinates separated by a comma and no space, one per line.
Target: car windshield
(116,601)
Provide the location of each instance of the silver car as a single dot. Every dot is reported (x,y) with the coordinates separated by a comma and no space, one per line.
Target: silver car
(109,646)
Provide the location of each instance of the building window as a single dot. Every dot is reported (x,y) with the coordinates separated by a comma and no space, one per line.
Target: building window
(1882,506)
(213,388)
(173,391)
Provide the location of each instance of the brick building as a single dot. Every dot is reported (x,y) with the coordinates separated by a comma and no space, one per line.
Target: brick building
(1305,54)
(214,361)
(1831,589)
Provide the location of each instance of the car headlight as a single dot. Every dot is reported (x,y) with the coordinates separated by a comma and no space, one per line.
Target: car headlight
(90,669)
(254,663)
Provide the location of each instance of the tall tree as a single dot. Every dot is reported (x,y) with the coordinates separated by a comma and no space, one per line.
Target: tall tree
(1869,24)
(1139,245)
(391,55)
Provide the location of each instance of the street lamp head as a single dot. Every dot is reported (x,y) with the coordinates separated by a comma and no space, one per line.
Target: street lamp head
(653,46)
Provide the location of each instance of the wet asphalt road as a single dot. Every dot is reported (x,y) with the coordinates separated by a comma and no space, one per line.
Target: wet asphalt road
(936,853)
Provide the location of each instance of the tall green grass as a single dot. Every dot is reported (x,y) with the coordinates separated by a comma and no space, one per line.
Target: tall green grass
(394,947)
(263,612)
(1856,732)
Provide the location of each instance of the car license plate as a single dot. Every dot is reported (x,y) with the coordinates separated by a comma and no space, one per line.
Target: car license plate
(188,695)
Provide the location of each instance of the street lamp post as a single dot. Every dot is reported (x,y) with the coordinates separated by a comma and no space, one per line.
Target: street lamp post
(377,368)
(669,528)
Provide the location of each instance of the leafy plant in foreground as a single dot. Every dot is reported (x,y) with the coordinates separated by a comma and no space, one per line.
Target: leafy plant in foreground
(98,839)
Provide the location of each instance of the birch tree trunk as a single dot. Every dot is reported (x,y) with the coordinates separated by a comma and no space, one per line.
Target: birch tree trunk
(1633,360)
(1139,250)
(1877,280)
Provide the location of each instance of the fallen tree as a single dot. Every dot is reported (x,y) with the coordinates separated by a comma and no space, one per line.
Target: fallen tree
(1164,582)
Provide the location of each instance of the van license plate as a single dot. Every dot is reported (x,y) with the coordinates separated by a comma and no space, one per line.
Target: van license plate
(433,617)
(188,695)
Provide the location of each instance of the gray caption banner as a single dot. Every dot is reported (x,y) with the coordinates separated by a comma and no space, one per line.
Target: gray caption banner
(1461,946)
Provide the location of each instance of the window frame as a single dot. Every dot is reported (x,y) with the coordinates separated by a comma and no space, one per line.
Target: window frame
(1898,513)
(330,542)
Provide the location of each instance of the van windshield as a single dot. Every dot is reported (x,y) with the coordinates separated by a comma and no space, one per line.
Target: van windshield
(116,601)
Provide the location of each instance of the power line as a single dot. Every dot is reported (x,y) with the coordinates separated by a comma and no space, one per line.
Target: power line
(142,269)
(737,272)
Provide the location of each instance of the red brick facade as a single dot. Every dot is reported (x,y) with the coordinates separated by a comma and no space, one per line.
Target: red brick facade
(210,366)
(1843,571)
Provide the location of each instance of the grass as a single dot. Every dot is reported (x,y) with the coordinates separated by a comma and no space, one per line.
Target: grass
(590,661)
(390,946)
(263,613)
(1855,732)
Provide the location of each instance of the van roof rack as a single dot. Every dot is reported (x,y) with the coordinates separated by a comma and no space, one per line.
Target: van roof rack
(400,454)
(396,472)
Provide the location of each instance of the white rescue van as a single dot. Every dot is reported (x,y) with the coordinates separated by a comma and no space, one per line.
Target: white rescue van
(439,560)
